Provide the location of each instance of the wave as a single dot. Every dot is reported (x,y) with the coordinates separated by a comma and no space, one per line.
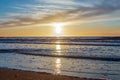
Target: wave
(94,41)
(69,43)
(30,52)
(76,57)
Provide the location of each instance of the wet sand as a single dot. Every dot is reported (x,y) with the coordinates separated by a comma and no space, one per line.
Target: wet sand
(14,74)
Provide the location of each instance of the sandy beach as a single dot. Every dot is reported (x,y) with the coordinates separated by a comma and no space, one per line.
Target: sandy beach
(14,74)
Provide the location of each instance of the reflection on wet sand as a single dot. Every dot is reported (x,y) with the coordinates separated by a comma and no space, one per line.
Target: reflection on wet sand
(58,66)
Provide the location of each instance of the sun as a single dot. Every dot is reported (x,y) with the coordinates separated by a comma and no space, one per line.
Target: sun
(58,28)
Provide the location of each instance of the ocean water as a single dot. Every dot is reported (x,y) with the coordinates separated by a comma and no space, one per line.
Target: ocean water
(92,57)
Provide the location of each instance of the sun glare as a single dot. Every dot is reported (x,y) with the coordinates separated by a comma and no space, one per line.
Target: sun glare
(58,27)
(58,30)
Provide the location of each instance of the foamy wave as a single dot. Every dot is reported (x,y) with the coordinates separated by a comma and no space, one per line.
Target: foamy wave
(40,52)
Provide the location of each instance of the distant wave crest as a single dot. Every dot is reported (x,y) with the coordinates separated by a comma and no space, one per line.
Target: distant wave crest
(92,41)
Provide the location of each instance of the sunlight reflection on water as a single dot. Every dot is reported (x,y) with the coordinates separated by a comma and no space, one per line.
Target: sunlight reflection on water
(58,60)
(58,48)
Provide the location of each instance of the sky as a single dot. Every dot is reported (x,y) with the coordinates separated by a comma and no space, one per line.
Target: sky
(71,18)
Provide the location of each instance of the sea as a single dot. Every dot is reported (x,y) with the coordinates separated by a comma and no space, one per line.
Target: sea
(91,57)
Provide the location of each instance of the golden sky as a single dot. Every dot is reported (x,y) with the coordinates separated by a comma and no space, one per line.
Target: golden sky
(60,18)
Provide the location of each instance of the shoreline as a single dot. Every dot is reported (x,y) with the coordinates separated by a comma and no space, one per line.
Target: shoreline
(16,74)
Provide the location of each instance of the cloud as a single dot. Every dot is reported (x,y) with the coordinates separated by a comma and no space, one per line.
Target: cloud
(64,11)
